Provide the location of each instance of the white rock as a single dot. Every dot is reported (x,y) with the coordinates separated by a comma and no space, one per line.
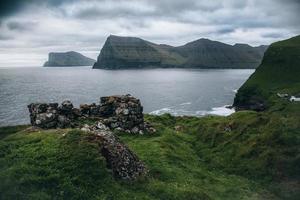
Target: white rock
(101,126)
(293,98)
(282,95)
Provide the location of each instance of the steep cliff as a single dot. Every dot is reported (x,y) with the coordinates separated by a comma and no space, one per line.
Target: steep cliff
(130,52)
(70,58)
(279,72)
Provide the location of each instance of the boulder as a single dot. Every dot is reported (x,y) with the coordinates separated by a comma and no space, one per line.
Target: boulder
(66,107)
(90,110)
(43,115)
(63,121)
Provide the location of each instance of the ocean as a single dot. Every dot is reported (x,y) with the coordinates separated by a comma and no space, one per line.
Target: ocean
(193,92)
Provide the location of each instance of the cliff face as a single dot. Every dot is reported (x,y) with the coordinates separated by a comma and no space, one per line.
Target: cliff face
(279,72)
(129,52)
(205,53)
(70,58)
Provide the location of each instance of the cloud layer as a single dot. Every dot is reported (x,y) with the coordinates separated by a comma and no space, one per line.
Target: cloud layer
(29,29)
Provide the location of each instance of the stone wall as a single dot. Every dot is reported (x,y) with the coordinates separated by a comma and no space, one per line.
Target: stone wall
(52,115)
(121,112)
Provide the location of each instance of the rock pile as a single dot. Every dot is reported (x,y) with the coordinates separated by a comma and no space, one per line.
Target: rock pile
(122,112)
(120,159)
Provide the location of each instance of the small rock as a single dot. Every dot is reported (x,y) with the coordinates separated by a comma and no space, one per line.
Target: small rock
(101,126)
(119,129)
(178,128)
(63,121)
(66,107)
(85,128)
(76,112)
(135,130)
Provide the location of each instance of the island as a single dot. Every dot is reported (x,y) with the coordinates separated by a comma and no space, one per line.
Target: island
(131,52)
(68,59)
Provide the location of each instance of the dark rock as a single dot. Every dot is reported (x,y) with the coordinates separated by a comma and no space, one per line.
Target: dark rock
(85,109)
(90,110)
(76,112)
(66,107)
(250,98)
(43,115)
(63,121)
(119,158)
(94,109)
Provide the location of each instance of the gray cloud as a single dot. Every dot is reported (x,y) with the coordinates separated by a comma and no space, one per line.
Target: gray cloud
(10,7)
(5,37)
(21,26)
(273,35)
(35,27)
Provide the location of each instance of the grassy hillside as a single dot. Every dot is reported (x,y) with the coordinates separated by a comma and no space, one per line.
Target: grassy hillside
(240,157)
(278,72)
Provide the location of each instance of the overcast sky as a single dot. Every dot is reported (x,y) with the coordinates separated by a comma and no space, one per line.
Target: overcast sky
(29,29)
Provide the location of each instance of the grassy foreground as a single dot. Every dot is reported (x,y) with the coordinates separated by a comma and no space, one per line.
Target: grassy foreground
(248,155)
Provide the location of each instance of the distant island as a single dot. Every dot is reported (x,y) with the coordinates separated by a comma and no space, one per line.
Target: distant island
(131,52)
(68,59)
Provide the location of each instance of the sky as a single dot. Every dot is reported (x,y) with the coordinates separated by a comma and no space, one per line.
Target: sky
(30,29)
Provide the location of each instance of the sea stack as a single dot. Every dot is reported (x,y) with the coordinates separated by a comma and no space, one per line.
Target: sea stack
(68,59)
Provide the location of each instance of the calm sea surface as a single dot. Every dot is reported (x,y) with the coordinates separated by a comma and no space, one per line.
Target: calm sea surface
(175,91)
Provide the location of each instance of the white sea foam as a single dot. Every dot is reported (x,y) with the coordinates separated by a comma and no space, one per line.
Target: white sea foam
(186,103)
(220,111)
(160,111)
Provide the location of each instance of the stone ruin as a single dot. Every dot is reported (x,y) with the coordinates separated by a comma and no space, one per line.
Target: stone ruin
(119,158)
(122,113)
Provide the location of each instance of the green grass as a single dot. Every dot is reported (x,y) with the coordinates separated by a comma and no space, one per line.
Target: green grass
(5,131)
(202,161)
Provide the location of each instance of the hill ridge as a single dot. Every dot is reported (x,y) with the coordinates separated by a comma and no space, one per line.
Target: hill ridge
(121,52)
